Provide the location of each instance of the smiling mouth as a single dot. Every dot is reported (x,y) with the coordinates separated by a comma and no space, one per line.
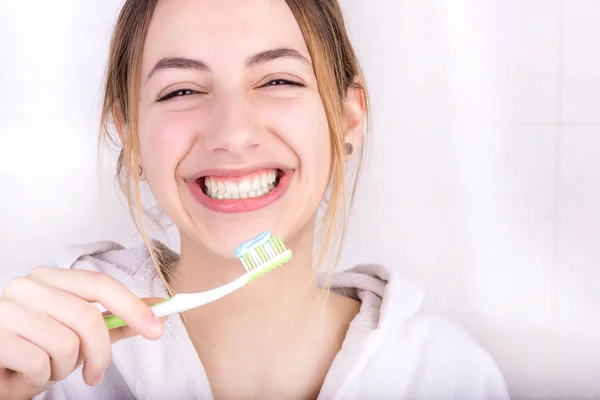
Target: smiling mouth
(253,185)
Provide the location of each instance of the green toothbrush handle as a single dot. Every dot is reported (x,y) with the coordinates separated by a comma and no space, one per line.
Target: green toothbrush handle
(112,321)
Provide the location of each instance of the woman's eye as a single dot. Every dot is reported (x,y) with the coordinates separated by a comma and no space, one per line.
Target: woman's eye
(279,82)
(178,93)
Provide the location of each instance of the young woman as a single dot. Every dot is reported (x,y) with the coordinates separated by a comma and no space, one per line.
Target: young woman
(241,117)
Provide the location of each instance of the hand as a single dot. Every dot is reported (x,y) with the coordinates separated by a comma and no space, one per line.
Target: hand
(48,327)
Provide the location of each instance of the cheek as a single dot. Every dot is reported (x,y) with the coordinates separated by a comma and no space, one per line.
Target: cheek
(315,147)
(164,140)
(303,126)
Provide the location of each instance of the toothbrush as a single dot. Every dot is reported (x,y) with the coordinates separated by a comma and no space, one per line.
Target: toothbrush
(259,255)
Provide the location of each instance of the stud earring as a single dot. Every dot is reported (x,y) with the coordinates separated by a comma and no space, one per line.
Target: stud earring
(349,148)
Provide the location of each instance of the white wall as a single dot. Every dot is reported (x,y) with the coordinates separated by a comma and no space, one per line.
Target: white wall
(483,180)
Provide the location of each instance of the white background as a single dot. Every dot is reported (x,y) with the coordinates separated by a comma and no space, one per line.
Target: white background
(483,180)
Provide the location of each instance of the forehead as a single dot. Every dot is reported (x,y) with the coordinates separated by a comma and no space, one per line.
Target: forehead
(226,30)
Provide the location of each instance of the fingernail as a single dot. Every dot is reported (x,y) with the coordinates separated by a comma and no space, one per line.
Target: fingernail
(97,380)
(153,323)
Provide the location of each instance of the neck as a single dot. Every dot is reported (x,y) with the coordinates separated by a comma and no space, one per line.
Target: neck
(275,321)
(275,301)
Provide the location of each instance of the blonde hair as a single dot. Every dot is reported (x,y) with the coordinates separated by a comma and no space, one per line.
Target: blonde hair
(336,68)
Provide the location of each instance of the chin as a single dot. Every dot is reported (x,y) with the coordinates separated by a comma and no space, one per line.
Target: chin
(221,221)
(229,211)
(222,239)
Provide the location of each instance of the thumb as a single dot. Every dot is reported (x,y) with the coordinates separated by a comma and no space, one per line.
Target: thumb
(126,332)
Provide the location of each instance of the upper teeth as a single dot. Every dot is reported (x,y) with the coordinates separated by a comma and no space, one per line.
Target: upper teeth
(253,186)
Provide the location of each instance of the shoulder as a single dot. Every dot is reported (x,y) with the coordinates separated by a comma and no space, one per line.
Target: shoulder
(447,361)
(412,353)
(131,266)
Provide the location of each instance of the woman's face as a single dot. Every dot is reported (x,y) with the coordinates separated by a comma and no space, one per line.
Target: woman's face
(234,139)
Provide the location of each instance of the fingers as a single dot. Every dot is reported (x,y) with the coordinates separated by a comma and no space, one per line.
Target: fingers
(26,358)
(48,325)
(76,314)
(104,289)
(126,332)
(59,343)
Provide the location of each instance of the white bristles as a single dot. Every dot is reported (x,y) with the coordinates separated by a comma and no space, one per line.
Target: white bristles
(255,257)
(252,254)
(269,250)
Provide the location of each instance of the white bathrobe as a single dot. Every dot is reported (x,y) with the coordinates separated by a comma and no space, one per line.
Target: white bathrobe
(391,350)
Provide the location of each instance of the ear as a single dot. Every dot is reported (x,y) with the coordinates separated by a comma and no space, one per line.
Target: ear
(355,110)
(121,129)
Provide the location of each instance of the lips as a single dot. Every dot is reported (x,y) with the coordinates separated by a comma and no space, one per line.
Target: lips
(240,190)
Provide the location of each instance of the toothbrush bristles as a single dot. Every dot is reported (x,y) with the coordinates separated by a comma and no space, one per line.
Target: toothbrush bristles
(259,255)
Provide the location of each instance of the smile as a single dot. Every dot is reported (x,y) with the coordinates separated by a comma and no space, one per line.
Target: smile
(253,185)
(240,191)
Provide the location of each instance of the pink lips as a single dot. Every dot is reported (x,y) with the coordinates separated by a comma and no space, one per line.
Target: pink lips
(233,206)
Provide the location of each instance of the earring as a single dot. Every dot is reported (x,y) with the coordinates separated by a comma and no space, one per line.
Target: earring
(140,172)
(349,148)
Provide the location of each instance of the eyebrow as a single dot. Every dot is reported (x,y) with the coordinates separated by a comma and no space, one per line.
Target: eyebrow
(177,63)
(270,55)
(258,58)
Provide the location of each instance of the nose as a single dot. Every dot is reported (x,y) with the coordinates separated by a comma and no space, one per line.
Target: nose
(235,129)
